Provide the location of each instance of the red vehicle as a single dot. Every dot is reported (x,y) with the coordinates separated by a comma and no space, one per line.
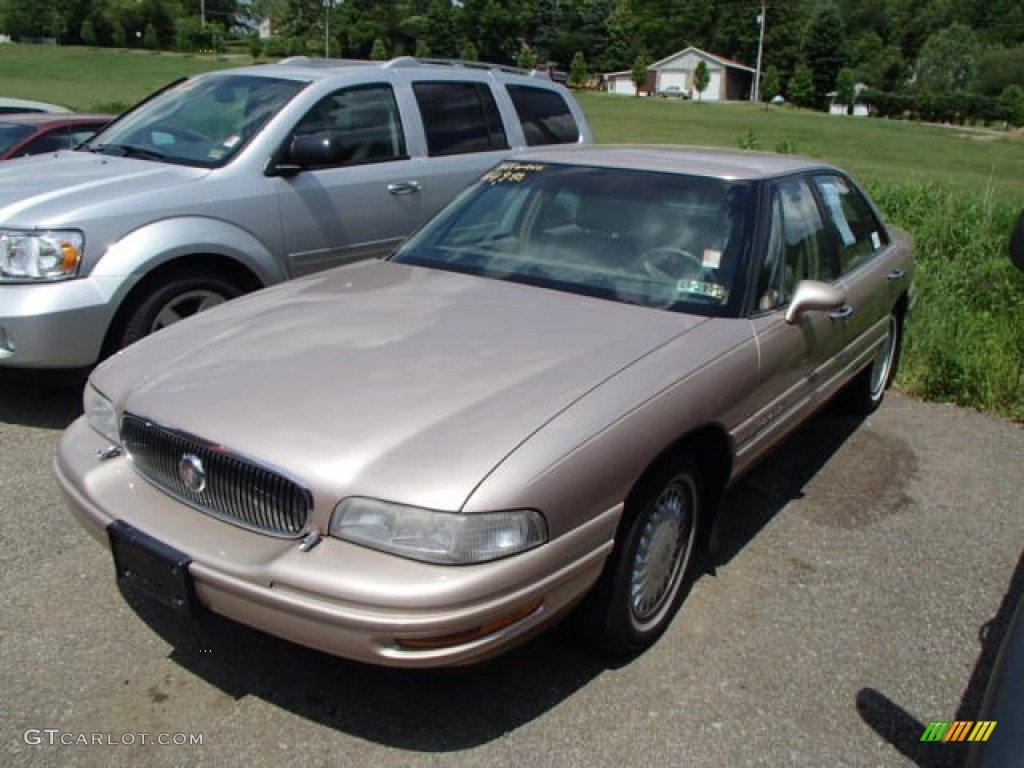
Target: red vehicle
(36,133)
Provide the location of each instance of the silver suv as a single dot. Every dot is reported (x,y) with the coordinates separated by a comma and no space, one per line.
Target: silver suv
(226,182)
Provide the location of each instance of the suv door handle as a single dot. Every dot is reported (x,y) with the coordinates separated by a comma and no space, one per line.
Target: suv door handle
(403,187)
(843,313)
(896,274)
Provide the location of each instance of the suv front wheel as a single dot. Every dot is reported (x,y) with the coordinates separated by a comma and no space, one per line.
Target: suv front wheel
(182,296)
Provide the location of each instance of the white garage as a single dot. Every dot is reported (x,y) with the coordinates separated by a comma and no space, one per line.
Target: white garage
(727,80)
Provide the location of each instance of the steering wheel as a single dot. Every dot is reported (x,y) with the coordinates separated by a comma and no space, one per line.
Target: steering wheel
(671,264)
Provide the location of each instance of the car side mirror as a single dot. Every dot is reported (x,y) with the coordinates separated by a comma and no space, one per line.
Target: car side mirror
(306,150)
(309,150)
(812,296)
(1017,243)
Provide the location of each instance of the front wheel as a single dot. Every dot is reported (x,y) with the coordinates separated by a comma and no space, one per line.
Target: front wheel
(179,298)
(646,577)
(866,391)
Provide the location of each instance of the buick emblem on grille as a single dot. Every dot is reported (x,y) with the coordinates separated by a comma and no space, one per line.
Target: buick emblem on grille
(191,472)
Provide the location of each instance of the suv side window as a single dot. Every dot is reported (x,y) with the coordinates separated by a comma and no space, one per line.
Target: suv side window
(797,247)
(545,116)
(361,123)
(459,118)
(856,229)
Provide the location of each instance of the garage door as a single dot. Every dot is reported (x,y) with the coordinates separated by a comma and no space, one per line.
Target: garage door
(714,90)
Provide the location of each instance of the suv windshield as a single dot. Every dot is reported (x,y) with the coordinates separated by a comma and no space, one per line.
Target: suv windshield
(202,122)
(662,240)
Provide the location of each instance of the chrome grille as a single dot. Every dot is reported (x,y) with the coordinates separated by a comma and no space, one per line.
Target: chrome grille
(234,488)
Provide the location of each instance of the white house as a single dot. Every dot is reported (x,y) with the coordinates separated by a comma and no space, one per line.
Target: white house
(727,80)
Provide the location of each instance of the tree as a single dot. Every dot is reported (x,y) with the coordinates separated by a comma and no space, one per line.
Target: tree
(255,45)
(772,84)
(468,52)
(1011,104)
(88,33)
(578,74)
(948,60)
(439,32)
(824,50)
(379,52)
(527,58)
(422,49)
(120,36)
(846,88)
(639,72)
(801,86)
(701,79)
(149,39)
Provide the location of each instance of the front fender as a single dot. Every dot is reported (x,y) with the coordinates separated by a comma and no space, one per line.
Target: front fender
(160,242)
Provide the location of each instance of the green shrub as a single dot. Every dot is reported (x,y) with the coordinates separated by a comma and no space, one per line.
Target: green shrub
(965,338)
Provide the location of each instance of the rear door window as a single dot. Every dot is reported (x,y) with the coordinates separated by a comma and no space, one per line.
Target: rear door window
(459,118)
(545,116)
(854,226)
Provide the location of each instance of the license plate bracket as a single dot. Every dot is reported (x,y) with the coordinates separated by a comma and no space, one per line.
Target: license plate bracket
(149,567)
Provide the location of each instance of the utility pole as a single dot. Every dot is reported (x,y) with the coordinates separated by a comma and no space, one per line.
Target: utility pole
(756,94)
(202,13)
(327,29)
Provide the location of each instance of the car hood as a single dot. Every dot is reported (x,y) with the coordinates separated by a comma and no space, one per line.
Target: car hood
(46,190)
(383,379)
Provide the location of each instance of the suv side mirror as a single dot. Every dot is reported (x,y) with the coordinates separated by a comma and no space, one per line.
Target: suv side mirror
(1017,243)
(309,150)
(306,150)
(812,295)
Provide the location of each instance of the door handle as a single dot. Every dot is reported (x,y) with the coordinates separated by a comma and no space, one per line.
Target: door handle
(403,187)
(896,274)
(843,313)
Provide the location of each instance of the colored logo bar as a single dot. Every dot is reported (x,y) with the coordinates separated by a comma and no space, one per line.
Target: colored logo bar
(958,730)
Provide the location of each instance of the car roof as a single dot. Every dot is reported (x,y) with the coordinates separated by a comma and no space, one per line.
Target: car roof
(309,69)
(713,162)
(49,118)
(32,106)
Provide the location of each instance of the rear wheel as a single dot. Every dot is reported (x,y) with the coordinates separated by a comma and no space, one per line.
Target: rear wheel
(648,573)
(867,390)
(180,297)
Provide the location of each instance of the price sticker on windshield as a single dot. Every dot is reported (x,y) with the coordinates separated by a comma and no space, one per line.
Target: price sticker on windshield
(511,173)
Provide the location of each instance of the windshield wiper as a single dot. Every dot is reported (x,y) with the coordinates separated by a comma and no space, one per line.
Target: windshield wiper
(126,150)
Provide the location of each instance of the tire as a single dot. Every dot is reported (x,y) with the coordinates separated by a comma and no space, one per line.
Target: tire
(649,571)
(866,391)
(182,296)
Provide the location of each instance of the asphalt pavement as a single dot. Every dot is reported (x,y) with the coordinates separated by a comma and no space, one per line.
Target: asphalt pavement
(864,578)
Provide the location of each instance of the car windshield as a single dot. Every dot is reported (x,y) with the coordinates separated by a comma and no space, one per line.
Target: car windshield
(663,240)
(11,134)
(202,122)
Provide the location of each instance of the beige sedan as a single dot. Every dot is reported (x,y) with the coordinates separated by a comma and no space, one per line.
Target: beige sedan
(533,406)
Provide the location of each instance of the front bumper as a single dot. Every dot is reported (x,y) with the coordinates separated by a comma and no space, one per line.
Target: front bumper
(338,597)
(54,325)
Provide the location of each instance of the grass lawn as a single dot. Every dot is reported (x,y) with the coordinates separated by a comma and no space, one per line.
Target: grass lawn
(875,151)
(85,79)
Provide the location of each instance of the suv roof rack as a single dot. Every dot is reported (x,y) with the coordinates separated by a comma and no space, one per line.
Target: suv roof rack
(411,61)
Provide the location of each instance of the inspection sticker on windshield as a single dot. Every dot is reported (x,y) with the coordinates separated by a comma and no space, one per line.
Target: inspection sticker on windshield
(712,258)
(699,287)
(511,172)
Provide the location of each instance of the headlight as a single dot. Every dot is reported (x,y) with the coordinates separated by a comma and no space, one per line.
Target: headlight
(100,414)
(39,256)
(437,537)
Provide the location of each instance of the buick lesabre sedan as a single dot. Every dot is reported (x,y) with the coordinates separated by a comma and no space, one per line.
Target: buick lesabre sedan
(533,405)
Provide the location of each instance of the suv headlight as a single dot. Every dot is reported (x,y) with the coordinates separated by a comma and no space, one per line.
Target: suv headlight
(100,414)
(437,537)
(40,256)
